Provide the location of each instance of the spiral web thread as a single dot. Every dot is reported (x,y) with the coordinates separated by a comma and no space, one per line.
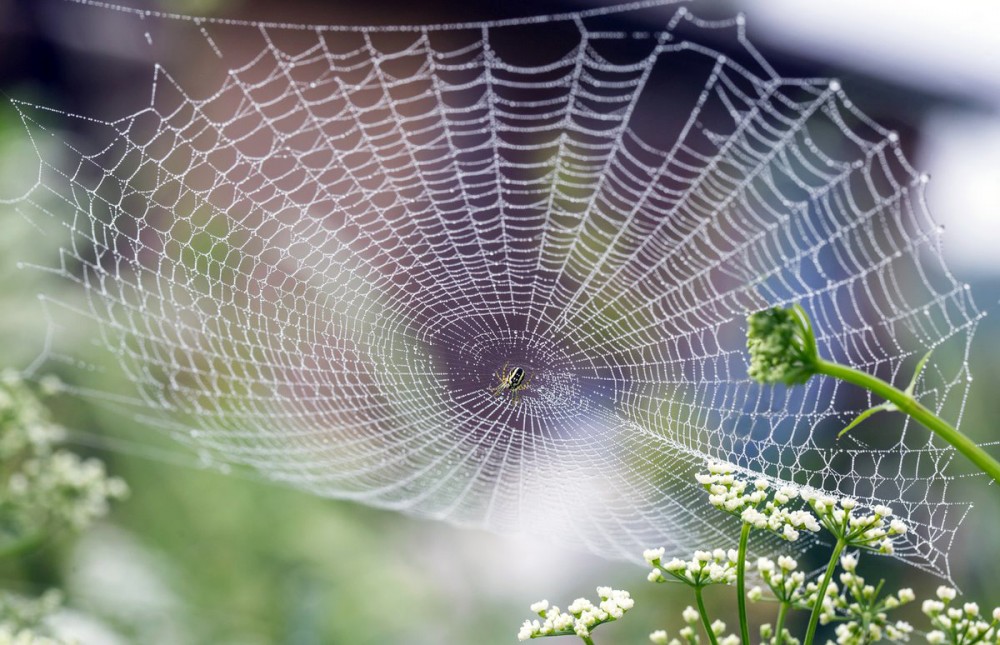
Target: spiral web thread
(317,268)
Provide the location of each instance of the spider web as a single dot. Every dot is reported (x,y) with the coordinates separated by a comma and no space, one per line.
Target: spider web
(316,266)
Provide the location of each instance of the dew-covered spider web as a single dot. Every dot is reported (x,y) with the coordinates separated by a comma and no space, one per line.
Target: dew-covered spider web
(317,257)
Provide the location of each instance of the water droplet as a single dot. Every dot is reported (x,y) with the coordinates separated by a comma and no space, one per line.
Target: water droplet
(835,85)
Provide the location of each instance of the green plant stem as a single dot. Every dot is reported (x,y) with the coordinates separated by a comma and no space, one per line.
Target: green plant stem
(588,640)
(704,616)
(908,405)
(741,583)
(821,592)
(23,545)
(779,627)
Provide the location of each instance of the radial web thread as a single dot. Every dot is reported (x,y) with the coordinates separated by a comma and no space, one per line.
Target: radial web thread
(315,267)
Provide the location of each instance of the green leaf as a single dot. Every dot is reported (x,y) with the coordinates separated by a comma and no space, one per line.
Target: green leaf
(881,407)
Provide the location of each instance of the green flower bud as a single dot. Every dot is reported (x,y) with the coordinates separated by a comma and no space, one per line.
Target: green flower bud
(782,346)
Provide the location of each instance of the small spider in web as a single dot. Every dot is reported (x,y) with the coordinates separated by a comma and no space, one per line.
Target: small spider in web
(514,380)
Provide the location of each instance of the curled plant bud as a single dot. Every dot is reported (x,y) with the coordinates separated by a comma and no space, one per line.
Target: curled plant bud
(782,346)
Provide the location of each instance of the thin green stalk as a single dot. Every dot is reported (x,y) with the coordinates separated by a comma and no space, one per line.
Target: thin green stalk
(821,592)
(908,405)
(779,627)
(588,640)
(741,583)
(704,617)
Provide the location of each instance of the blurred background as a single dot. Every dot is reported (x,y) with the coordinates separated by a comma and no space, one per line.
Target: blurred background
(200,556)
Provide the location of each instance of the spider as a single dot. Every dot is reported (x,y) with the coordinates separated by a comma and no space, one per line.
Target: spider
(513,380)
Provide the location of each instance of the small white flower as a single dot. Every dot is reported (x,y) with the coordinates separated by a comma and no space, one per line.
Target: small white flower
(50,384)
(946,593)
(935,637)
(652,555)
(906,595)
(659,637)
(675,565)
(539,606)
(562,621)
(996,613)
(690,615)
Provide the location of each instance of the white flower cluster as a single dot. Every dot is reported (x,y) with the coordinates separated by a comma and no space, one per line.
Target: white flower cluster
(579,618)
(19,612)
(862,612)
(46,488)
(785,582)
(27,637)
(74,491)
(755,502)
(705,568)
(873,531)
(959,625)
(24,425)
(689,635)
